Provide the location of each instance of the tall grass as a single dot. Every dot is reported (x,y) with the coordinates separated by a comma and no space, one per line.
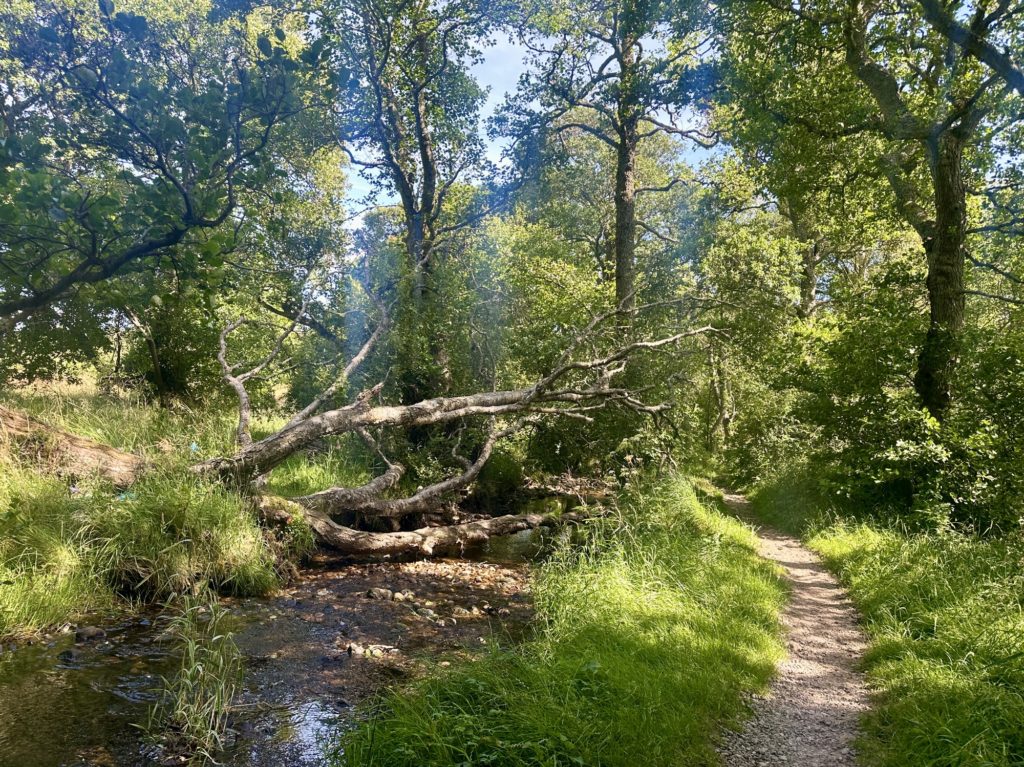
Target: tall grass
(945,612)
(128,421)
(302,474)
(191,719)
(647,638)
(67,549)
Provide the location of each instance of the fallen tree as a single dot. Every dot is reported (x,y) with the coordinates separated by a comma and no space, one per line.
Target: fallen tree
(75,456)
(67,453)
(577,385)
(424,542)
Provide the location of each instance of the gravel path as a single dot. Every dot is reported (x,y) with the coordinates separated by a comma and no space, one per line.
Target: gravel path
(809,716)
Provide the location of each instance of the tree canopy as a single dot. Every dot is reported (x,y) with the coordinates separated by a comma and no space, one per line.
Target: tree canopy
(735,237)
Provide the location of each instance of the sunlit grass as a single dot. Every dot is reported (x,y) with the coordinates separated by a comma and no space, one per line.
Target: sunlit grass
(647,638)
(129,422)
(191,719)
(69,548)
(338,467)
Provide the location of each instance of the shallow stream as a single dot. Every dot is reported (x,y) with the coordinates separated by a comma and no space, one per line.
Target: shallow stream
(64,704)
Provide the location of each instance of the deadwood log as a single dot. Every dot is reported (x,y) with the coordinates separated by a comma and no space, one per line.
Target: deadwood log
(450,540)
(66,453)
(367,499)
(70,454)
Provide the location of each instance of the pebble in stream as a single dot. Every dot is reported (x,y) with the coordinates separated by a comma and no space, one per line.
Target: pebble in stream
(809,718)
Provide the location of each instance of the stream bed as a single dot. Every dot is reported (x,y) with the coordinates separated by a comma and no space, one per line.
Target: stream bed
(313,651)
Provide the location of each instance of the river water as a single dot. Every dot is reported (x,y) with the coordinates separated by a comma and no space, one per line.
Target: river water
(64,704)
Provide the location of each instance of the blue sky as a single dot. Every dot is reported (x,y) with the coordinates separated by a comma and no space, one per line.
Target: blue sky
(499,71)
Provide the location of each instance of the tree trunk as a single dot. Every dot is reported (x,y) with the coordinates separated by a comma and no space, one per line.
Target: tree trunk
(809,281)
(937,361)
(814,253)
(418,246)
(628,112)
(67,453)
(271,451)
(419,241)
(625,215)
(424,542)
(163,396)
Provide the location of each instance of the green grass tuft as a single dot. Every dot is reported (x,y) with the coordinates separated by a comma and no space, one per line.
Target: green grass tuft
(647,638)
(191,719)
(69,549)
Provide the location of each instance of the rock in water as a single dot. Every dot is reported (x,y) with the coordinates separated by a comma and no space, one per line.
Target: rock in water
(89,634)
(379,593)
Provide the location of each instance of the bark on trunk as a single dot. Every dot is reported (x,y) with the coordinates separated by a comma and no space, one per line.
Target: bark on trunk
(627,118)
(809,282)
(265,454)
(946,259)
(163,396)
(419,246)
(425,542)
(625,214)
(813,255)
(340,499)
(68,453)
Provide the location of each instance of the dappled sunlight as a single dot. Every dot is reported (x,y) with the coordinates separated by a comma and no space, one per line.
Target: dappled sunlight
(944,614)
(646,643)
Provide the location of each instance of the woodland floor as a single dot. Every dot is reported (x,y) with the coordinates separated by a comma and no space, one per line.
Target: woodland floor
(809,716)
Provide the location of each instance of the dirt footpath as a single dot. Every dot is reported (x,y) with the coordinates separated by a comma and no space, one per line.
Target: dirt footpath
(809,717)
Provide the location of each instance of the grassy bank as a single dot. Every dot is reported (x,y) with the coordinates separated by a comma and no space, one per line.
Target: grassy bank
(646,639)
(72,547)
(70,550)
(945,615)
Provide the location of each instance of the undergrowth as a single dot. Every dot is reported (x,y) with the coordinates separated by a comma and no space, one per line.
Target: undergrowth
(944,612)
(70,547)
(647,637)
(70,550)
